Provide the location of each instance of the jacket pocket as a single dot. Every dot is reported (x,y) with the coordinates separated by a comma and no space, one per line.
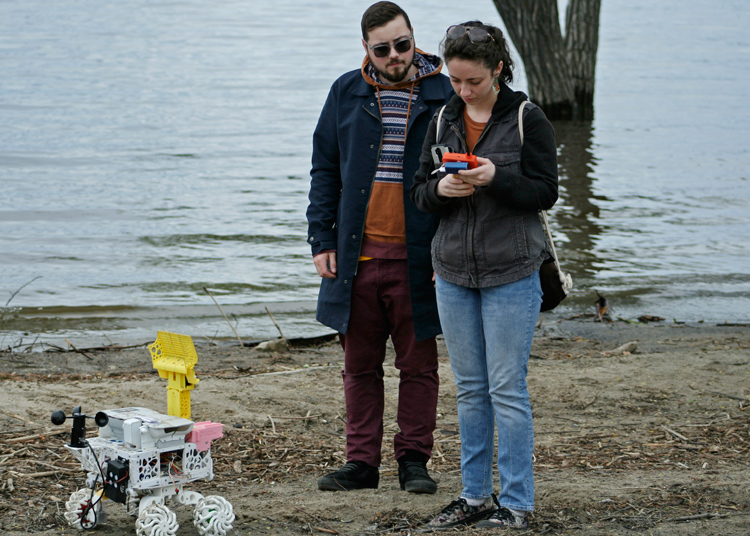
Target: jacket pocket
(449,245)
(509,159)
(502,240)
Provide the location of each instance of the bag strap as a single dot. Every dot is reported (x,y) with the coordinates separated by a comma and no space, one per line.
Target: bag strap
(542,213)
(440,119)
(565,279)
(520,119)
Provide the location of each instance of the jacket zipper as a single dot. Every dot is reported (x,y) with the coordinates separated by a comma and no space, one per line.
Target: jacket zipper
(472,209)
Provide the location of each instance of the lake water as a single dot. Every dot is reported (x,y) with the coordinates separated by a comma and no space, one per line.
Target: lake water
(149,149)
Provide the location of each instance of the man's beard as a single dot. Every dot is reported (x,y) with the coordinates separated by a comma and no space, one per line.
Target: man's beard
(393,76)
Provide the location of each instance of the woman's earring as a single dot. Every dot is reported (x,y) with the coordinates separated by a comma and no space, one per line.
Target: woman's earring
(496,84)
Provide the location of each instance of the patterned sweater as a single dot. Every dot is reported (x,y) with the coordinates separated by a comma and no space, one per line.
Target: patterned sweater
(385,234)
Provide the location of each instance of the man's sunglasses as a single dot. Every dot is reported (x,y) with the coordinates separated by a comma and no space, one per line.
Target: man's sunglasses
(476,35)
(381,51)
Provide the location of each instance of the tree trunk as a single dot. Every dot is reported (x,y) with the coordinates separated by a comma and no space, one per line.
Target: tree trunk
(560,70)
(581,44)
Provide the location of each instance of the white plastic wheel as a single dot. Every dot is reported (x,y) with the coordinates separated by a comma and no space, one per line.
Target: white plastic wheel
(156,520)
(213,516)
(78,510)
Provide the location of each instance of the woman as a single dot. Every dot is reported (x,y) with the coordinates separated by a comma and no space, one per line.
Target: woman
(486,255)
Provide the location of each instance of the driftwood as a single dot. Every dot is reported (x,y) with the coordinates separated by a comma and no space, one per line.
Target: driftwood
(79,351)
(13,415)
(625,349)
(37,436)
(276,324)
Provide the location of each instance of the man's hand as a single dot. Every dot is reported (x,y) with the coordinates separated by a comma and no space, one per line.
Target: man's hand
(325,263)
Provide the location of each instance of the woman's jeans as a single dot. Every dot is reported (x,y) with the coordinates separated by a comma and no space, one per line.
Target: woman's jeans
(488,333)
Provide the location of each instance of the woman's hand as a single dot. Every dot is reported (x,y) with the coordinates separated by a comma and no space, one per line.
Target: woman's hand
(454,186)
(481,175)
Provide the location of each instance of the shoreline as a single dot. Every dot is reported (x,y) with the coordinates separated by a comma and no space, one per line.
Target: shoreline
(17,341)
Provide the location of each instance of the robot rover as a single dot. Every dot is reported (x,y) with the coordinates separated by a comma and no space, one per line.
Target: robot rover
(143,458)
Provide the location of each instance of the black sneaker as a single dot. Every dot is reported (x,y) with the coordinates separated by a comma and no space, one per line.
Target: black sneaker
(503,519)
(414,478)
(354,475)
(459,512)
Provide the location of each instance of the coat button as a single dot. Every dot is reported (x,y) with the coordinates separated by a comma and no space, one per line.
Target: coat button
(311,239)
(372,104)
(372,146)
(354,237)
(363,191)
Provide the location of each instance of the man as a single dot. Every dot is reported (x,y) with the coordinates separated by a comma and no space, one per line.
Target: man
(371,246)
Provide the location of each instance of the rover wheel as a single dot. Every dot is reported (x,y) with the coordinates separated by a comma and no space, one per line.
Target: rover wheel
(82,510)
(213,516)
(156,520)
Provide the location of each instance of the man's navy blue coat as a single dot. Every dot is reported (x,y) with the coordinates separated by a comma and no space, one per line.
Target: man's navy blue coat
(346,147)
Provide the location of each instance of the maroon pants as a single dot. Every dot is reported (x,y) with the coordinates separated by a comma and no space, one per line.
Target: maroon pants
(381,307)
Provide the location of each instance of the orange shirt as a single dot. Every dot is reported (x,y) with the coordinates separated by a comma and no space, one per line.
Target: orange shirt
(385,213)
(473,131)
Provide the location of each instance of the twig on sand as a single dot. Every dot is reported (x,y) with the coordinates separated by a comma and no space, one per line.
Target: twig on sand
(58,469)
(35,436)
(320,521)
(733,397)
(7,457)
(275,324)
(293,371)
(289,417)
(225,316)
(9,414)
(55,348)
(79,351)
(33,475)
(676,434)
(706,515)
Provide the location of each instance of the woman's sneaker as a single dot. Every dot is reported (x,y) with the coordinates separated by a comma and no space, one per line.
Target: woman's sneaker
(504,518)
(459,512)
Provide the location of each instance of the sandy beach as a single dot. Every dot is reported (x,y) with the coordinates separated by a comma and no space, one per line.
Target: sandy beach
(648,438)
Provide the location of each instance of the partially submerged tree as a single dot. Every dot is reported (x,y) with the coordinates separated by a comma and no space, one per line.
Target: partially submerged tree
(560,69)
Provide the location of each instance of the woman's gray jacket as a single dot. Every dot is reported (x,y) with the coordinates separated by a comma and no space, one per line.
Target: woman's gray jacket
(494,236)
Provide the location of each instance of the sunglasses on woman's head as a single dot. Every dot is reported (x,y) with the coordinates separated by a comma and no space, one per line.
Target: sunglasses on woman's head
(476,35)
(381,51)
